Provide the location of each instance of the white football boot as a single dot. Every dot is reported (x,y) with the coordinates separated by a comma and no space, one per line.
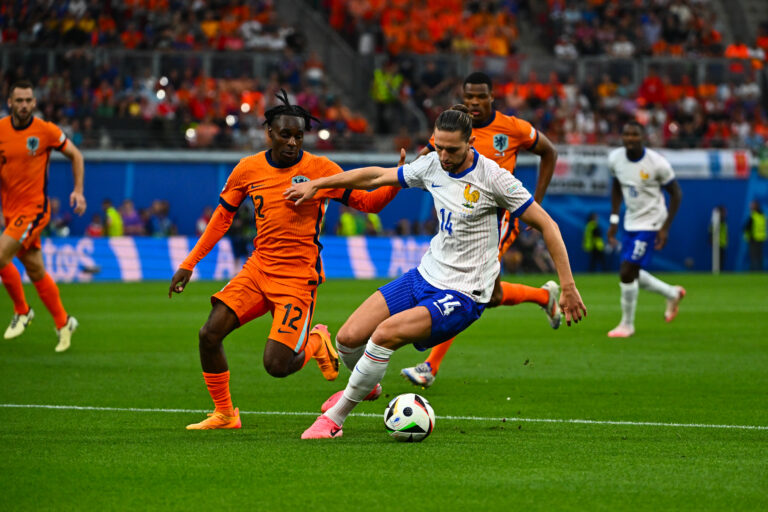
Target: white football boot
(554,315)
(420,375)
(65,334)
(18,324)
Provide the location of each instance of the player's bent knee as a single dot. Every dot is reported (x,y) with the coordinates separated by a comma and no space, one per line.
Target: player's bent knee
(209,337)
(496,298)
(277,368)
(351,337)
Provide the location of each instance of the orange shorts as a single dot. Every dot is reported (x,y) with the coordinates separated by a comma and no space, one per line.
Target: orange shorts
(251,294)
(26,228)
(508,233)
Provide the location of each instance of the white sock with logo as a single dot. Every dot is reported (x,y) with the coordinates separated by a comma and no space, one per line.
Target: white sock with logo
(656,285)
(368,372)
(348,355)
(628,302)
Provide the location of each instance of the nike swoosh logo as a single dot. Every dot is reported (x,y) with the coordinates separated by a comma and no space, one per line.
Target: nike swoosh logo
(335,431)
(253,187)
(282,331)
(436,186)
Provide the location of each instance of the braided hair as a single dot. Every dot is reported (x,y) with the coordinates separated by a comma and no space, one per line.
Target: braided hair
(286,109)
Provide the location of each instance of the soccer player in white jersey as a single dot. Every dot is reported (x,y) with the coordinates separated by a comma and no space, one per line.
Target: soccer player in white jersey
(451,287)
(639,175)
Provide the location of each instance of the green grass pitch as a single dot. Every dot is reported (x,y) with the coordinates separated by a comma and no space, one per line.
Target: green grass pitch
(135,357)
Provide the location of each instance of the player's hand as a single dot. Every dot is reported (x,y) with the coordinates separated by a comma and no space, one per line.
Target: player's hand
(402,158)
(77,202)
(661,239)
(571,304)
(611,235)
(179,281)
(300,192)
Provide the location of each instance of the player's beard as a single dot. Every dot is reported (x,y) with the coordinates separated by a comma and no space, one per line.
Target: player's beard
(454,167)
(22,119)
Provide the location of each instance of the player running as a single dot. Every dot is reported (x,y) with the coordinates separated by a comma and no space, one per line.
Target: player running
(282,274)
(500,138)
(453,284)
(639,174)
(25,150)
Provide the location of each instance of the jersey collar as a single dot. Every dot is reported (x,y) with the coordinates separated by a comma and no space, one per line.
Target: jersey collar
(635,161)
(271,162)
(20,128)
(488,122)
(469,169)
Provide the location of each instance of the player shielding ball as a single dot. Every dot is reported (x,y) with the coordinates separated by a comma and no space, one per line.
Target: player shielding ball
(640,174)
(282,274)
(26,143)
(500,138)
(453,284)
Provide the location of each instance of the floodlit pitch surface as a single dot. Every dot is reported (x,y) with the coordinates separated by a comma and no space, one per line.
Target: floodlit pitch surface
(527,418)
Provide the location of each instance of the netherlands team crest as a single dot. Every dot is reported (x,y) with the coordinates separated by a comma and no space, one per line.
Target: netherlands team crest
(500,142)
(299,179)
(33,143)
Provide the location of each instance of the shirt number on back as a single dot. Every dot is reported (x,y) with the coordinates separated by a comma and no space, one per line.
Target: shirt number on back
(445,221)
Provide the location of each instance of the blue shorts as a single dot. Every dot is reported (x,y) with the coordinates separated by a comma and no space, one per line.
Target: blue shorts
(451,311)
(637,247)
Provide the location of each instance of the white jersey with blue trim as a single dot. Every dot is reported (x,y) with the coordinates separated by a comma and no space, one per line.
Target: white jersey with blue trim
(464,255)
(641,182)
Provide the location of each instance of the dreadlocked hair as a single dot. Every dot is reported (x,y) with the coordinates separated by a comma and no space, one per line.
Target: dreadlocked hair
(286,109)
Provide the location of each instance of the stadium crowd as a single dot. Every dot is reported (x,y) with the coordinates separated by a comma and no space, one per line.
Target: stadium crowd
(102,104)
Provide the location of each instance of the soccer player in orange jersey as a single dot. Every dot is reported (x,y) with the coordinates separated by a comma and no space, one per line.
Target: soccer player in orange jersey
(25,149)
(500,138)
(282,274)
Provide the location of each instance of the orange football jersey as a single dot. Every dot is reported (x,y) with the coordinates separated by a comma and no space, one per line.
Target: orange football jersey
(287,242)
(24,159)
(502,138)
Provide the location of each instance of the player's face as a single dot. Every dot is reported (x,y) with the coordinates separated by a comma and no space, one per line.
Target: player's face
(287,136)
(479,101)
(22,104)
(632,138)
(452,150)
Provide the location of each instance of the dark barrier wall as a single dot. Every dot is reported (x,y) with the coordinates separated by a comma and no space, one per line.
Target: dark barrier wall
(190,186)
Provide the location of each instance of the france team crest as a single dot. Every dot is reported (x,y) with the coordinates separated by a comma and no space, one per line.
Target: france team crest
(33,143)
(500,142)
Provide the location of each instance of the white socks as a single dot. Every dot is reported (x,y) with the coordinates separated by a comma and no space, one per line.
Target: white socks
(654,284)
(628,302)
(349,356)
(368,372)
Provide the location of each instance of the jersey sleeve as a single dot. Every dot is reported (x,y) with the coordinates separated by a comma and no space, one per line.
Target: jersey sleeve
(217,227)
(510,193)
(413,174)
(522,133)
(234,190)
(56,138)
(369,202)
(665,173)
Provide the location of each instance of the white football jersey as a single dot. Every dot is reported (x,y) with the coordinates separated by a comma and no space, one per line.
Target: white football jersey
(641,182)
(464,255)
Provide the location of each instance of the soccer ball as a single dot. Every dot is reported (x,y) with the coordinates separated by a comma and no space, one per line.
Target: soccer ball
(409,418)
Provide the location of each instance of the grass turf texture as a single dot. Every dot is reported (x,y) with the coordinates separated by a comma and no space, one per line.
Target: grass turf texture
(137,349)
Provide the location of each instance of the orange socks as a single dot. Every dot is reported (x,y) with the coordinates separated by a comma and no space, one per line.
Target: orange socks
(311,347)
(49,294)
(218,387)
(437,354)
(517,293)
(12,282)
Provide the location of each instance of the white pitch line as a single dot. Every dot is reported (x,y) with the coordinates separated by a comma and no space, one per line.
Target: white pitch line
(371,415)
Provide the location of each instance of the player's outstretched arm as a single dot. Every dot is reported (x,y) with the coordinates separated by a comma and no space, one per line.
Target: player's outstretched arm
(364,178)
(570,299)
(546,150)
(217,227)
(76,198)
(375,200)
